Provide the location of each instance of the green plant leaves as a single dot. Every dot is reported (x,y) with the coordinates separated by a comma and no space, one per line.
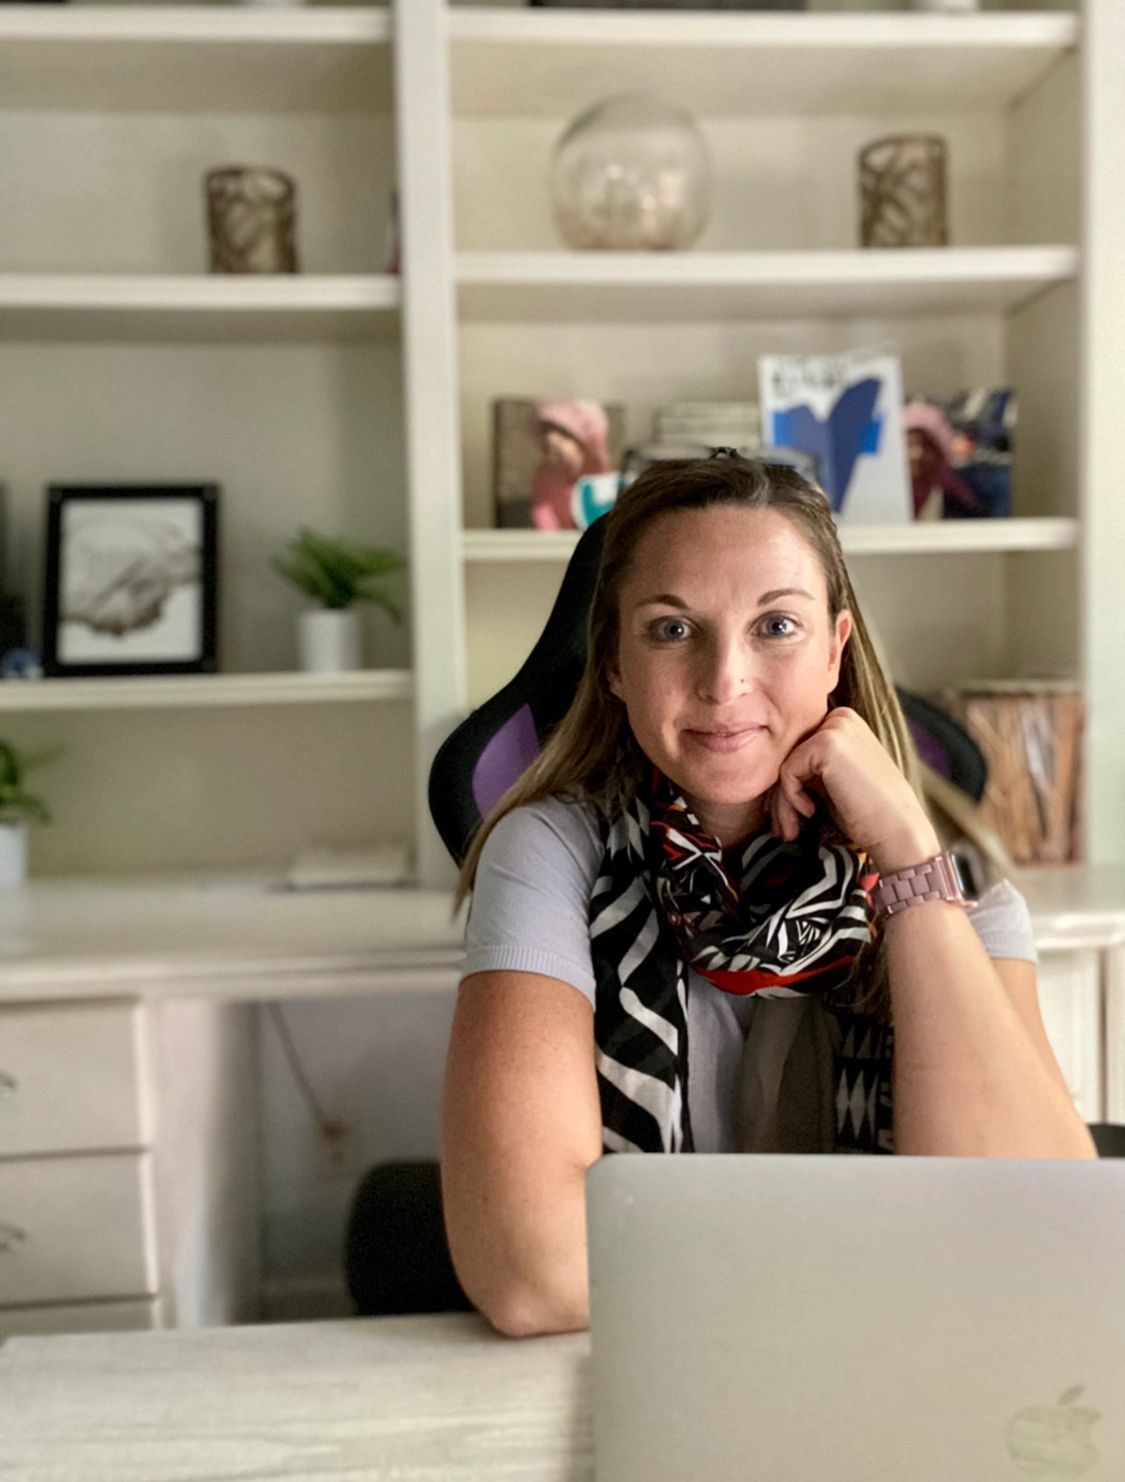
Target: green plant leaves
(15,801)
(338,573)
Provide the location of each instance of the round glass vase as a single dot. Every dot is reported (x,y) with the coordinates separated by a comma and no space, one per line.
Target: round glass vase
(632,174)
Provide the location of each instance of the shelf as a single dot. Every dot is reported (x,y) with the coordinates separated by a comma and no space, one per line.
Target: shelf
(554,287)
(505,61)
(205,59)
(944,537)
(228,307)
(188,691)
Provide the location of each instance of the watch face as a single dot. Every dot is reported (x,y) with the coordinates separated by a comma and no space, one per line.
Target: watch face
(965,875)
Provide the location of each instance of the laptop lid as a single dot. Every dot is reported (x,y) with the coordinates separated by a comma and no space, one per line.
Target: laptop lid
(836,1319)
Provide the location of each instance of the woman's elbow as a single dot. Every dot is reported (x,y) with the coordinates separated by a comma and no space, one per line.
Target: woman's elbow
(523,1312)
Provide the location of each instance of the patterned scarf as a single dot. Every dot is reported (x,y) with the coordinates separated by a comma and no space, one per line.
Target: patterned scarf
(781,920)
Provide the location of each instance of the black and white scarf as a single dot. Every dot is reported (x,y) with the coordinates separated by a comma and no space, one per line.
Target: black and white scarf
(780,919)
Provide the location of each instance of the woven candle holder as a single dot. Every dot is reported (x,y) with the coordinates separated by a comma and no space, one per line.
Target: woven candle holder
(251,214)
(902,192)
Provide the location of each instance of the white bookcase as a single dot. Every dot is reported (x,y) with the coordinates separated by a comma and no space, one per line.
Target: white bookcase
(353,401)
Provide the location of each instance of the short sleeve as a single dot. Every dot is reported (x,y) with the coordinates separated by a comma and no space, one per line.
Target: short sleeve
(530,903)
(1003,923)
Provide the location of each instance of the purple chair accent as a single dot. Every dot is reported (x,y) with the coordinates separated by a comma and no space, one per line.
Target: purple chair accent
(931,750)
(504,759)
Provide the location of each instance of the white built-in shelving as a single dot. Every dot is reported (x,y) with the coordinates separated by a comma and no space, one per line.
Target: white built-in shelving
(195,59)
(466,100)
(960,537)
(203,309)
(191,691)
(751,64)
(643,287)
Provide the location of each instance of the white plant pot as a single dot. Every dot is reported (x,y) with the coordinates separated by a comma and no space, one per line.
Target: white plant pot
(328,640)
(13,855)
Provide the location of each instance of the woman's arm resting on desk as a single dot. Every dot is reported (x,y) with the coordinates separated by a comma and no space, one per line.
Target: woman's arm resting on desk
(521,1125)
(974,1070)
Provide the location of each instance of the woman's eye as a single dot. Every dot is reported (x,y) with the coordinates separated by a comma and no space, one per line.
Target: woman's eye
(779,626)
(669,630)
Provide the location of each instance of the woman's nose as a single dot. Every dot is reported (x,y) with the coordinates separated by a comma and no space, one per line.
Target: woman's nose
(724,673)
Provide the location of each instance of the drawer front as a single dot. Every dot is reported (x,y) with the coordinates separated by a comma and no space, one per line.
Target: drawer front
(70,1078)
(85,1317)
(72,1229)
(1070,1000)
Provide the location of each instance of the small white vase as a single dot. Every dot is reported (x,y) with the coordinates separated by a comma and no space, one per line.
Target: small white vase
(13,855)
(328,640)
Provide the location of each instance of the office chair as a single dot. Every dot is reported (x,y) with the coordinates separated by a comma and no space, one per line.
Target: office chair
(396,1251)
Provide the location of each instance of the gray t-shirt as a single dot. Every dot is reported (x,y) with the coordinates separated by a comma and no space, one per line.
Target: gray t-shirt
(760,1071)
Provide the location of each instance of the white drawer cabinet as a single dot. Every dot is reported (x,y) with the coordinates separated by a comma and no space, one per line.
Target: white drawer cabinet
(72,1229)
(128,1168)
(71,1079)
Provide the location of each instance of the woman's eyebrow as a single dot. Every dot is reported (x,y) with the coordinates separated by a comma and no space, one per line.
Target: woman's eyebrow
(784,592)
(662,599)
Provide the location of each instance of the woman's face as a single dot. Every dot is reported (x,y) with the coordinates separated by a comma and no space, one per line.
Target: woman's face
(727,655)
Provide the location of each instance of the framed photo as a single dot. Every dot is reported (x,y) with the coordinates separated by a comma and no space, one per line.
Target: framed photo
(131,579)
(555,461)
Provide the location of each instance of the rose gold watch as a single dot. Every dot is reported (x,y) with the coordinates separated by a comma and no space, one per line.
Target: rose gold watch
(936,879)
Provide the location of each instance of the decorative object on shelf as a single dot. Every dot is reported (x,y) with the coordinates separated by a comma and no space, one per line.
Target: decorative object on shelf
(339,574)
(251,216)
(555,461)
(844,410)
(20,663)
(132,585)
(18,808)
(631,174)
(386,864)
(640,456)
(961,454)
(902,192)
(1030,732)
(714,424)
(392,244)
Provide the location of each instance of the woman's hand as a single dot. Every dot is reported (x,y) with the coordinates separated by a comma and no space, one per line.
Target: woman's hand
(844,763)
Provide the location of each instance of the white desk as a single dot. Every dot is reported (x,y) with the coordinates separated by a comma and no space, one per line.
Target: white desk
(128,1155)
(128,1084)
(403,1398)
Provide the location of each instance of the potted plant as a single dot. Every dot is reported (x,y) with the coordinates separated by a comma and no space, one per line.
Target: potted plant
(338,574)
(17,808)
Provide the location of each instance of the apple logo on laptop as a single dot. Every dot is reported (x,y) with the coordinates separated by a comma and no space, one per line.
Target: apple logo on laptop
(1054,1440)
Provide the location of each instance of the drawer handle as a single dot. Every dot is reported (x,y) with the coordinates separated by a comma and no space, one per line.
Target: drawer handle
(8,1084)
(10,1237)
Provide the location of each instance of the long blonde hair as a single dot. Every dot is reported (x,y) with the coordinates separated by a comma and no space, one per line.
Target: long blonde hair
(592,753)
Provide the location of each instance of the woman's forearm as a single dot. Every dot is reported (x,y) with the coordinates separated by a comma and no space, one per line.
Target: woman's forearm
(523,1264)
(968,1079)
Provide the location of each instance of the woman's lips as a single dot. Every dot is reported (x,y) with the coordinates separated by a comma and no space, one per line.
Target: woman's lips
(723,741)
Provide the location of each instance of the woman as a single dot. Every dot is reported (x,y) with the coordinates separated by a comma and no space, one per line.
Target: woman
(677,939)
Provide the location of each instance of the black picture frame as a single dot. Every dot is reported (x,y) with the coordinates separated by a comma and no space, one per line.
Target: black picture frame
(106,653)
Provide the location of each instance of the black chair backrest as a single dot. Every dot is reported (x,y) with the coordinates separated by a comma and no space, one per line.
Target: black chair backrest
(490,750)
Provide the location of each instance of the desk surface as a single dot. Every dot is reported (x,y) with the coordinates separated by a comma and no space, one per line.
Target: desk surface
(439,1398)
(232,937)
(228,937)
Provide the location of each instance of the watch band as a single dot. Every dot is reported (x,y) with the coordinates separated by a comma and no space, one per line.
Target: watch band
(933,880)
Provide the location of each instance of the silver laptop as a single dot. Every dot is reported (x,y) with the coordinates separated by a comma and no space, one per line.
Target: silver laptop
(857,1319)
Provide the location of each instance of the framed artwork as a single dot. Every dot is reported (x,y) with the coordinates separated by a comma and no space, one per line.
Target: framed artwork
(846,412)
(131,582)
(555,461)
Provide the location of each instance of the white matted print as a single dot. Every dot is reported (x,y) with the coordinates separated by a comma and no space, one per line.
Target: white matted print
(131,581)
